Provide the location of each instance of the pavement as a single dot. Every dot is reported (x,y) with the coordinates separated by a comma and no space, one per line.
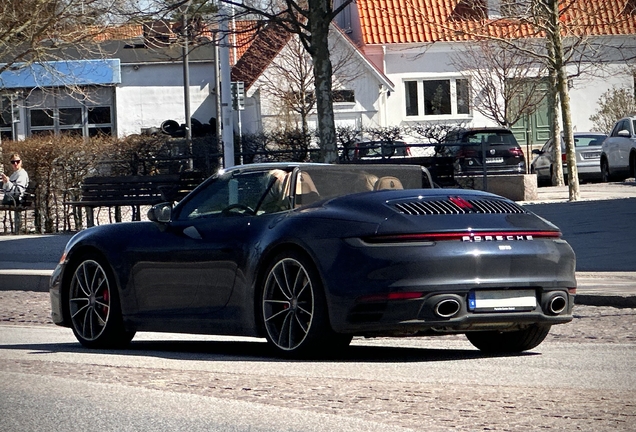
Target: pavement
(605,246)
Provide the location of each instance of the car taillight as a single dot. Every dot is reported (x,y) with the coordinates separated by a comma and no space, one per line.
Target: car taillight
(516,151)
(466,153)
(564,158)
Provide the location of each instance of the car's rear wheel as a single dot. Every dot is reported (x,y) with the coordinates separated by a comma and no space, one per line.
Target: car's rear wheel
(509,342)
(93,305)
(294,309)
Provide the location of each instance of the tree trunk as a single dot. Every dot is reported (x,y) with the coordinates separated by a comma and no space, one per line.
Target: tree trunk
(564,95)
(555,125)
(319,28)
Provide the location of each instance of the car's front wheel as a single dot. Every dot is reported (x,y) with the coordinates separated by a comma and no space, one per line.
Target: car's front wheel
(510,341)
(294,309)
(93,306)
(605,172)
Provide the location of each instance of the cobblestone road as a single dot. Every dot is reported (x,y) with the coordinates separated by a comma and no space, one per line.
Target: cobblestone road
(415,406)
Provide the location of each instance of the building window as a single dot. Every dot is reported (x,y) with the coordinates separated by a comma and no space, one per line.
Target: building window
(6,119)
(410,95)
(463,96)
(340,96)
(76,121)
(439,97)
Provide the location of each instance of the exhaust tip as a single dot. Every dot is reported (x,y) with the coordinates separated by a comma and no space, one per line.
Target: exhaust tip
(447,308)
(557,304)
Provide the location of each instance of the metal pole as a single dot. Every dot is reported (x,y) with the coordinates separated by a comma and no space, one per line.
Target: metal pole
(186,88)
(226,92)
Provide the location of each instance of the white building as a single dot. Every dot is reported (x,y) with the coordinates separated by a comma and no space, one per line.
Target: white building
(134,85)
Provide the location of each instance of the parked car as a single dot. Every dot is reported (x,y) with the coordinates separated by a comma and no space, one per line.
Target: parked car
(471,146)
(618,153)
(587,146)
(376,150)
(310,255)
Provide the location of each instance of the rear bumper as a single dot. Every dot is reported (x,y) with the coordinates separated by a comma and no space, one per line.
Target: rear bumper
(403,289)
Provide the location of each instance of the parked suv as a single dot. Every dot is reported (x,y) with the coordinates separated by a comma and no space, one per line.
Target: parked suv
(470,147)
(618,153)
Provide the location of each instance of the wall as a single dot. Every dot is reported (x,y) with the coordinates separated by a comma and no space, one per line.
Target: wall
(152,93)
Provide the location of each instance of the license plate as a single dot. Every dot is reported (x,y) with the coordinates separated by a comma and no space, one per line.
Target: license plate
(591,155)
(501,300)
(494,160)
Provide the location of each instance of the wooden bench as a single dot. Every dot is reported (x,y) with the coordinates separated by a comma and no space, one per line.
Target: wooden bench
(27,203)
(133,191)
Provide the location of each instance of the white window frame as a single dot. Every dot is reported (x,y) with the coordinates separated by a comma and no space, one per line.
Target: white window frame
(421,115)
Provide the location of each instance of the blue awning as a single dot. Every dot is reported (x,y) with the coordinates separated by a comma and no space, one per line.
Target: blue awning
(62,73)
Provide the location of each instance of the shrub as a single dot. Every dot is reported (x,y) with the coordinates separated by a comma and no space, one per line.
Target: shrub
(613,105)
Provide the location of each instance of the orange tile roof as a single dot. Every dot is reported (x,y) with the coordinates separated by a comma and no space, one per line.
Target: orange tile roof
(244,33)
(261,52)
(413,21)
(124,32)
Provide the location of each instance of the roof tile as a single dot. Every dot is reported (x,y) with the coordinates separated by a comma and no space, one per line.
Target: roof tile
(416,21)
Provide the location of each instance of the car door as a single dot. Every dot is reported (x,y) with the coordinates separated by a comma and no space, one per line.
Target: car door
(616,144)
(544,160)
(190,271)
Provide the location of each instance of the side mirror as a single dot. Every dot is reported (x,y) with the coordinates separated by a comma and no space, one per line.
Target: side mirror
(537,152)
(161,213)
(624,133)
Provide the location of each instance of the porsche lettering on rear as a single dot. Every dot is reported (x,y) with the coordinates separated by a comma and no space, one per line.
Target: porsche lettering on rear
(479,238)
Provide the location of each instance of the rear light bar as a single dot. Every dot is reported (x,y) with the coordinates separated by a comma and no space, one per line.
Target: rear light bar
(469,236)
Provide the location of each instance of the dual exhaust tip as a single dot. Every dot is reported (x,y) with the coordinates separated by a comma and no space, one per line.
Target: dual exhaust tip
(553,304)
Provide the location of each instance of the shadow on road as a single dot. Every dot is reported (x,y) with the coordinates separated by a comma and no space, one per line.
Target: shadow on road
(260,351)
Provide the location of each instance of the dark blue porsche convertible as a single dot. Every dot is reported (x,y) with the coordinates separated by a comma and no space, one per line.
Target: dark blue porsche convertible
(310,255)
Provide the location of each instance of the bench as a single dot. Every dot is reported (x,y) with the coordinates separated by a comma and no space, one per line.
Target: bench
(133,191)
(27,203)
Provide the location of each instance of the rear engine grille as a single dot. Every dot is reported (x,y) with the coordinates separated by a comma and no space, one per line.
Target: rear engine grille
(458,205)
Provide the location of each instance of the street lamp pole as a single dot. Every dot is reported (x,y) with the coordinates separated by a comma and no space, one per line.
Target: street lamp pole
(186,85)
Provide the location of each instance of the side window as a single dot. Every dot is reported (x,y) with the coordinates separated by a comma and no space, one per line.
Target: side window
(619,127)
(547,147)
(240,194)
(633,127)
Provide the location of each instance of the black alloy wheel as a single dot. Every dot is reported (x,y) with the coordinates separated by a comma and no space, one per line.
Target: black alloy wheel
(294,309)
(94,309)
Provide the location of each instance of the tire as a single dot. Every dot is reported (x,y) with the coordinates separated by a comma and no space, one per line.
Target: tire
(632,164)
(93,305)
(294,309)
(509,342)
(605,172)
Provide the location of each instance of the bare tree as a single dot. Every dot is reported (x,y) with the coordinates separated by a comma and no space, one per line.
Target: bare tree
(310,20)
(289,79)
(505,84)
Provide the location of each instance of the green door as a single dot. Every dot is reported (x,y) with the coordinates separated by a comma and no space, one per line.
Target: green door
(535,126)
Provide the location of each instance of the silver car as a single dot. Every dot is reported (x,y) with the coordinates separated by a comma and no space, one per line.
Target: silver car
(618,154)
(587,146)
